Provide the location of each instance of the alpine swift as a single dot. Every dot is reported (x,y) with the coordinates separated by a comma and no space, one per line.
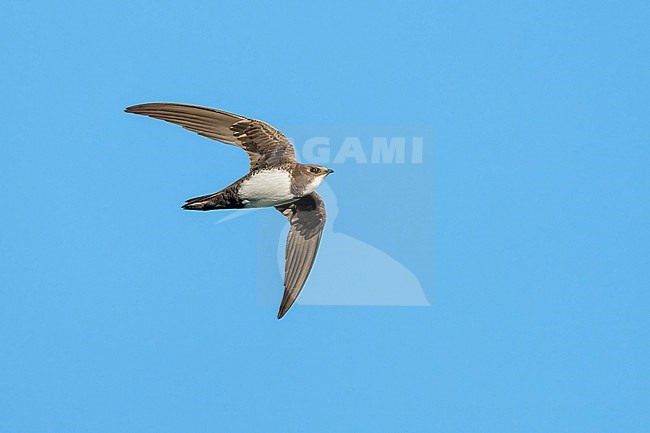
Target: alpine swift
(275,179)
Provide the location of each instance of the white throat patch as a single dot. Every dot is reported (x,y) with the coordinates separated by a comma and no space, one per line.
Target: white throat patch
(311,186)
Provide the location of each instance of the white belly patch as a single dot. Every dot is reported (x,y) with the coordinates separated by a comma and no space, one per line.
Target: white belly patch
(266,188)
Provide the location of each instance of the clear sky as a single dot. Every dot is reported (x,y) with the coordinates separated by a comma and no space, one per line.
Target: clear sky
(119,312)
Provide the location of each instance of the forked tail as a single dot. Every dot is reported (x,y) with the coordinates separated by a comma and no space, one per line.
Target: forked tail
(224,199)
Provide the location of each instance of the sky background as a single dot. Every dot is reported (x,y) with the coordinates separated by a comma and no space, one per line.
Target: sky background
(121,313)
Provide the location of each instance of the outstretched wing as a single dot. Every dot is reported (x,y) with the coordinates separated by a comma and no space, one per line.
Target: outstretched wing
(265,145)
(307,217)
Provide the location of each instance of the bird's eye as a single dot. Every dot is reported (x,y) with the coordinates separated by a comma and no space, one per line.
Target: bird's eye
(314,170)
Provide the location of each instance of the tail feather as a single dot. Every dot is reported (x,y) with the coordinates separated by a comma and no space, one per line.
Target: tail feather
(201,198)
(224,199)
(201,203)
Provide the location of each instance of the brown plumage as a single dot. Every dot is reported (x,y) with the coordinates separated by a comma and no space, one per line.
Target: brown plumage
(275,179)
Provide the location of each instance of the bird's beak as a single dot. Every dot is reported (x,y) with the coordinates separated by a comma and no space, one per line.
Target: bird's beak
(330,171)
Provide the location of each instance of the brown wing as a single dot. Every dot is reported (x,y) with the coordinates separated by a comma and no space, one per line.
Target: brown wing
(265,145)
(307,217)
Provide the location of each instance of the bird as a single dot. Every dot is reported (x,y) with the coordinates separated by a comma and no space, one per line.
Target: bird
(276,179)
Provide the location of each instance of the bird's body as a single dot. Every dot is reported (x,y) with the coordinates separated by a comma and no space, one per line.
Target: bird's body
(275,179)
(267,187)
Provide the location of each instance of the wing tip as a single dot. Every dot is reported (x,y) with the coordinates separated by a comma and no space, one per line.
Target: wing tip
(138,108)
(283,310)
(284,307)
(131,109)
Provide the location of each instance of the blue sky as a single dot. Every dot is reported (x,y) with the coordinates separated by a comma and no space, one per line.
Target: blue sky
(121,313)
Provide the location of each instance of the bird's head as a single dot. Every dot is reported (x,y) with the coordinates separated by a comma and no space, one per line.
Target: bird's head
(313,175)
